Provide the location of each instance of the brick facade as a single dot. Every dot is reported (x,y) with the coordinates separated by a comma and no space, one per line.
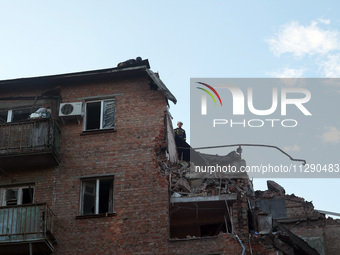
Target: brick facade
(133,155)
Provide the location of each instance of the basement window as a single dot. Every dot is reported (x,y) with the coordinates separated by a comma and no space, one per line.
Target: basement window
(100,115)
(17,195)
(97,196)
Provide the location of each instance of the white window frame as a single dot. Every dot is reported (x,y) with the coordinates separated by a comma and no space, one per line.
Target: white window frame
(101,113)
(9,115)
(20,188)
(82,193)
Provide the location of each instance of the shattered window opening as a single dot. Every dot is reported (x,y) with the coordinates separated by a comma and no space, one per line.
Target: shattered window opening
(201,205)
(100,115)
(200,219)
(97,196)
(17,195)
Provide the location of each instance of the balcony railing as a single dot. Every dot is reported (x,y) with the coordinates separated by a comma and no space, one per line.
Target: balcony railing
(20,141)
(26,224)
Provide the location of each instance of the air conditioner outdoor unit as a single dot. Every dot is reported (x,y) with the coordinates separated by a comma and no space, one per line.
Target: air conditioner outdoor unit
(70,109)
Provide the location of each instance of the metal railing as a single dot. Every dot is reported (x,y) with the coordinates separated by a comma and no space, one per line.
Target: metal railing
(29,136)
(21,223)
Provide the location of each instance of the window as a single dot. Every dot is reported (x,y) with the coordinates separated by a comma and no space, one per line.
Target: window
(97,196)
(199,219)
(100,115)
(3,117)
(16,115)
(22,114)
(17,195)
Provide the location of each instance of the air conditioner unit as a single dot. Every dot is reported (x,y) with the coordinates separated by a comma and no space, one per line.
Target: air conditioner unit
(70,109)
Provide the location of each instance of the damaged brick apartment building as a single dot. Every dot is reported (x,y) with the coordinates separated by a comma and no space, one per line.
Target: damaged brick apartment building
(89,165)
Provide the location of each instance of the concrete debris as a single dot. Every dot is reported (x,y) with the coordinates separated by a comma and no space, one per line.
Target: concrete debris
(182,185)
(273,186)
(175,194)
(286,224)
(280,245)
(185,180)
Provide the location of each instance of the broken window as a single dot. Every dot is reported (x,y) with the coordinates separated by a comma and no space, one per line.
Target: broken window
(100,115)
(199,219)
(97,196)
(17,195)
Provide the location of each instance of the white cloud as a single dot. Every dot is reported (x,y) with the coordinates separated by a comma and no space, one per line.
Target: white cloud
(331,66)
(288,73)
(331,135)
(324,21)
(294,148)
(302,40)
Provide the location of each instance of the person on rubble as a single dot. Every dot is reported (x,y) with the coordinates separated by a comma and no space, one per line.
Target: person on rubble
(179,131)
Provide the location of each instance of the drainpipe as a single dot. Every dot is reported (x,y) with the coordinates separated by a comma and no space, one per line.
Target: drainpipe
(241,244)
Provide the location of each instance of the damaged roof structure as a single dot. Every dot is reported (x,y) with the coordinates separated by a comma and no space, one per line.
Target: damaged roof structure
(206,204)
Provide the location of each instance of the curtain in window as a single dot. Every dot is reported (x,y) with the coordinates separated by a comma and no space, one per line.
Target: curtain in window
(109,114)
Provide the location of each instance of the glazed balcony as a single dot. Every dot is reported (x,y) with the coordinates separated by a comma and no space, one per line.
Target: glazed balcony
(32,143)
(26,229)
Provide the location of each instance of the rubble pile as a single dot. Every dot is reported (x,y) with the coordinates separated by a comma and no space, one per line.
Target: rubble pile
(207,203)
(185,180)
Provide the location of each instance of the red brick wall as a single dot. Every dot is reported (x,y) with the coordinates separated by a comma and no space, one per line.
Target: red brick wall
(224,244)
(140,193)
(297,207)
(331,237)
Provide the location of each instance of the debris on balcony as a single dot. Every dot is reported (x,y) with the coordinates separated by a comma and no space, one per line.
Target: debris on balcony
(31,143)
(41,113)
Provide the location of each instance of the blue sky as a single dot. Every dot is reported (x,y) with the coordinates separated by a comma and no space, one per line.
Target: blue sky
(185,39)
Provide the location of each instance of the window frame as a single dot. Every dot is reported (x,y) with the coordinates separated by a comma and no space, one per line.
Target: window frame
(97,189)
(102,101)
(10,114)
(3,191)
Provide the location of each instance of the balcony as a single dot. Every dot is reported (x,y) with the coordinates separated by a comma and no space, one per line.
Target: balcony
(32,143)
(26,229)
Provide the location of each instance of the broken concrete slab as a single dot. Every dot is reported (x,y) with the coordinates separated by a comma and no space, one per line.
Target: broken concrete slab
(278,244)
(196,183)
(203,198)
(275,187)
(183,185)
